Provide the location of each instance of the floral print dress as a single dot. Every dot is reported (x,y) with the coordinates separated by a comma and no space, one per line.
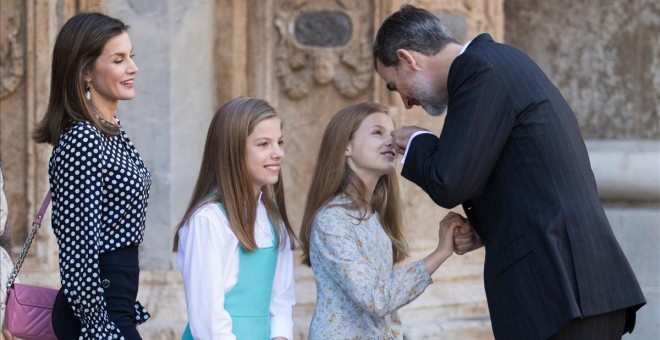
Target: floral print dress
(358,290)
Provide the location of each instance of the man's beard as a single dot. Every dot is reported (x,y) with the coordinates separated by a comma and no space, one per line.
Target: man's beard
(428,98)
(434,106)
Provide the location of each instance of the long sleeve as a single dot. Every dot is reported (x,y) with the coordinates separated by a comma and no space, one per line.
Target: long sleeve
(345,258)
(202,255)
(77,185)
(455,167)
(283,295)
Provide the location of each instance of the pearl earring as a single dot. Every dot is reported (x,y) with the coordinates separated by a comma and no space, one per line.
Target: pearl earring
(88,95)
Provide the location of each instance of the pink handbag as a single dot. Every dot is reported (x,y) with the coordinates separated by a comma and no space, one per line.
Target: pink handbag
(28,314)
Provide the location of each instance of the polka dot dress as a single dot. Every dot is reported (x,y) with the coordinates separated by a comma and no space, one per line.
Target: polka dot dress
(100,188)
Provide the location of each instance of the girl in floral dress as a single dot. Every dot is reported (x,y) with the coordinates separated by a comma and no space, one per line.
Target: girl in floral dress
(352,232)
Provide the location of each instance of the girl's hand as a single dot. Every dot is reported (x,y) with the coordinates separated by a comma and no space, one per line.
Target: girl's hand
(449,227)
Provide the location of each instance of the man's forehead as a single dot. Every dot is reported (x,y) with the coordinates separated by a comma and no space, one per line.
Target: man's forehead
(379,65)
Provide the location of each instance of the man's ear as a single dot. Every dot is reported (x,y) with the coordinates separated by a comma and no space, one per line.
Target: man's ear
(408,58)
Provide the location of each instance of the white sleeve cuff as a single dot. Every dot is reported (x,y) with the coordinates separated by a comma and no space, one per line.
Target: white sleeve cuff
(403,159)
(281,326)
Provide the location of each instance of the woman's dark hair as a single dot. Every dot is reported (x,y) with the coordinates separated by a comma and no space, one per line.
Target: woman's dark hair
(79,43)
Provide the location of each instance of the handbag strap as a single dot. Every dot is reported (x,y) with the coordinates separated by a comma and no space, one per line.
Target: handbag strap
(36,224)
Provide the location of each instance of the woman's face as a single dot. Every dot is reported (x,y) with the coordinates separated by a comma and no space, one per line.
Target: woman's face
(264,153)
(113,73)
(370,153)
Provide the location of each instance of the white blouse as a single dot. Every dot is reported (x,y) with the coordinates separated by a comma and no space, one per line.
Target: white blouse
(208,260)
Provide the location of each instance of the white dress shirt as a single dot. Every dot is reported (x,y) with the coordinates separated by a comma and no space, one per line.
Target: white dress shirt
(208,260)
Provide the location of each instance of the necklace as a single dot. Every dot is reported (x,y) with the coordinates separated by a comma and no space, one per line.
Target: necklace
(107,122)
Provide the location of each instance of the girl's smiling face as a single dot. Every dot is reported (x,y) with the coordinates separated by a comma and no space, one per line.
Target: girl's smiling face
(370,152)
(264,153)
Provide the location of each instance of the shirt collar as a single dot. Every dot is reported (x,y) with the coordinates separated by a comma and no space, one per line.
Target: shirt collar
(464,47)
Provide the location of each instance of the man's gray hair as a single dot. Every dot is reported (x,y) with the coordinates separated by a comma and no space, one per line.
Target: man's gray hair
(410,28)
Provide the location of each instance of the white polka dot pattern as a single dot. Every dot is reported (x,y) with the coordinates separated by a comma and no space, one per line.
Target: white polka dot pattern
(100,188)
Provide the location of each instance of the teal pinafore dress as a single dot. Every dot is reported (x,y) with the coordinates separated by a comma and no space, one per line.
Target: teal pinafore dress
(248,303)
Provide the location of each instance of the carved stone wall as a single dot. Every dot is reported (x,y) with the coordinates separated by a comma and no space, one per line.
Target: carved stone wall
(605,59)
(12,111)
(312,82)
(323,42)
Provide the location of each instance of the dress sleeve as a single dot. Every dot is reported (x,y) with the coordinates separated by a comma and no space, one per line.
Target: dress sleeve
(284,295)
(77,210)
(378,291)
(201,250)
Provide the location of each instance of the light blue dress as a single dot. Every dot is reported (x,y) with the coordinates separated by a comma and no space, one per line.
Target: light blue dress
(358,290)
(248,302)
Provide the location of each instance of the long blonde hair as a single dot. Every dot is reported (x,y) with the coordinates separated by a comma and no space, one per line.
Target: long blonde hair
(223,175)
(332,176)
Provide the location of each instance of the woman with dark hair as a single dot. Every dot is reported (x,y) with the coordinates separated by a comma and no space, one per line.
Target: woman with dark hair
(352,232)
(99,183)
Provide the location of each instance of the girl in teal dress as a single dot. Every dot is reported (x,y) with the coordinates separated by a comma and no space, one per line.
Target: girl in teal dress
(234,242)
(352,231)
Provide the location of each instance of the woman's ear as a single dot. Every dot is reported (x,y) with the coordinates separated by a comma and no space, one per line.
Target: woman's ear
(347,153)
(87,74)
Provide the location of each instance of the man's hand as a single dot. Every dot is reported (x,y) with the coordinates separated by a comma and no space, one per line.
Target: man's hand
(465,240)
(400,137)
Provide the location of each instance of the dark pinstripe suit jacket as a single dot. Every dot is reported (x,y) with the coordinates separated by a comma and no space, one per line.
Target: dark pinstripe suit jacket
(512,153)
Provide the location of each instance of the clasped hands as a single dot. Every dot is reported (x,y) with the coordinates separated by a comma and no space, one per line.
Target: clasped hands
(464,238)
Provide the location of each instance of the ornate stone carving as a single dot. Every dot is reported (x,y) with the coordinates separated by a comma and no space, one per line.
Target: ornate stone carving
(480,16)
(12,67)
(348,67)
